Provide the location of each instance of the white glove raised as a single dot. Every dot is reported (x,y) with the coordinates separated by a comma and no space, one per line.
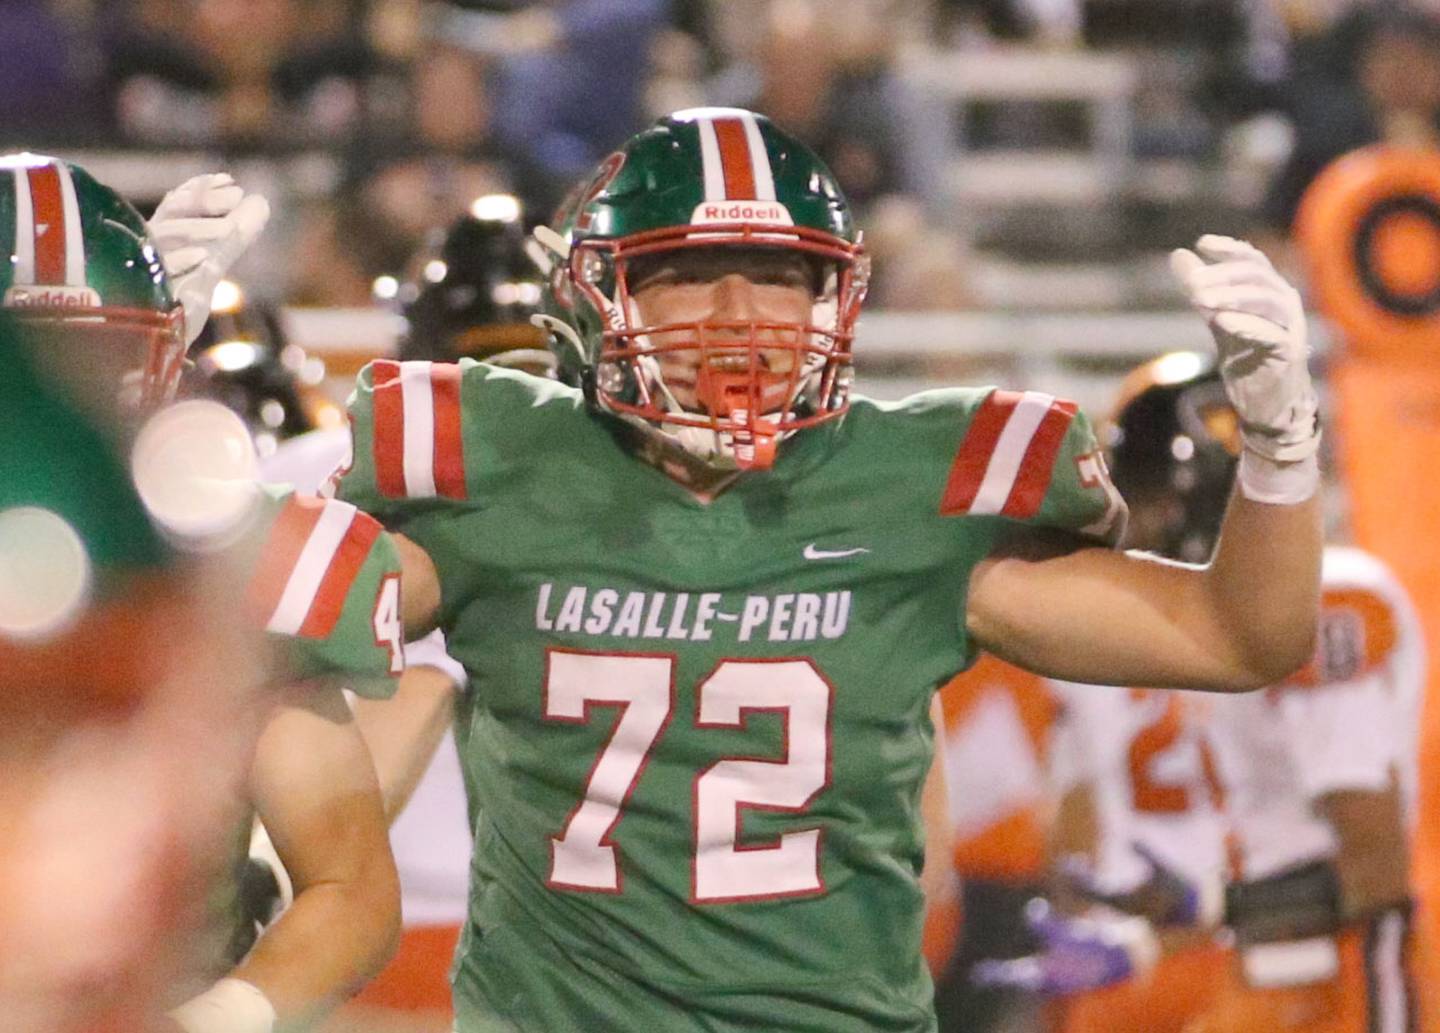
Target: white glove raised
(1258,322)
(200,228)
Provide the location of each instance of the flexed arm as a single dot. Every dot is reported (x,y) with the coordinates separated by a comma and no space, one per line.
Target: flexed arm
(1248,618)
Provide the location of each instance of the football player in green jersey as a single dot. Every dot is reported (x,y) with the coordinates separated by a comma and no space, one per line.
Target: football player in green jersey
(704,595)
(196,720)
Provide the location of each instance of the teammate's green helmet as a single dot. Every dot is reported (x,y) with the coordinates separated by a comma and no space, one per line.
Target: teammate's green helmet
(81,262)
(712,178)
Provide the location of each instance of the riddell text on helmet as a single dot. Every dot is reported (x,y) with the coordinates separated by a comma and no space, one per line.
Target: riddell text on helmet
(742,211)
(25,296)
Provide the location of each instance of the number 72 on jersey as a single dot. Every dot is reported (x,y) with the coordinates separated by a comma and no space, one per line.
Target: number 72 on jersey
(582,855)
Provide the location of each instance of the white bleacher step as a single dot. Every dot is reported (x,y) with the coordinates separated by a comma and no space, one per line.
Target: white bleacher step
(1003,178)
(1051,286)
(1017,177)
(1023,73)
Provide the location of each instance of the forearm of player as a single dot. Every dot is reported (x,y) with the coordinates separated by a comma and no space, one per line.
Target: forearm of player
(1092,615)
(315,789)
(325,947)
(404,732)
(1075,830)
(1263,585)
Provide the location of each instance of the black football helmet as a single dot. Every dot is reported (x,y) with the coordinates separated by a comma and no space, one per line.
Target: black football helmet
(243,360)
(474,293)
(1173,443)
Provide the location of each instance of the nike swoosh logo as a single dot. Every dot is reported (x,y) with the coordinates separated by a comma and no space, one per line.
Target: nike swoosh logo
(812,553)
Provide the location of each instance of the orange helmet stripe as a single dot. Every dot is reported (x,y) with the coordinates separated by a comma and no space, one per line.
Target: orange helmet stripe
(735,159)
(48,210)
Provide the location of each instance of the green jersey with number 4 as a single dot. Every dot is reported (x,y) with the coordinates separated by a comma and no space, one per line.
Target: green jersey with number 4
(325,585)
(698,732)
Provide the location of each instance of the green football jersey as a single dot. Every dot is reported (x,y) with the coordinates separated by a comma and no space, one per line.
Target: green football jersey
(326,586)
(698,732)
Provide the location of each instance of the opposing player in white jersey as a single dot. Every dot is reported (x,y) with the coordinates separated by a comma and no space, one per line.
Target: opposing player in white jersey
(1137,817)
(1315,774)
(1135,778)
(1319,781)
(1137,855)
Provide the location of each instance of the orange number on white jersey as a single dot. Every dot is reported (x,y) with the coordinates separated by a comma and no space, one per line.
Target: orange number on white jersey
(1152,795)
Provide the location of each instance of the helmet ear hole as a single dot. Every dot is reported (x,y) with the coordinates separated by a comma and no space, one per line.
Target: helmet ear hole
(587,384)
(592,268)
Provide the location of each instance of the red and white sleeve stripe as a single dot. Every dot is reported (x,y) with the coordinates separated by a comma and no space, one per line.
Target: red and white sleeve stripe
(417,444)
(49,240)
(1007,459)
(308,565)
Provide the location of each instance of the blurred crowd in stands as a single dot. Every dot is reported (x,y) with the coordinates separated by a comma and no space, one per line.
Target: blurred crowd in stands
(423,105)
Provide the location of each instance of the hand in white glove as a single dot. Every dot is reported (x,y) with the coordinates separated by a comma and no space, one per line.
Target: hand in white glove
(1258,322)
(200,228)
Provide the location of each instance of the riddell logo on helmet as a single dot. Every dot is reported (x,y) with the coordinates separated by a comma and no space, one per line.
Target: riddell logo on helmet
(37,296)
(742,211)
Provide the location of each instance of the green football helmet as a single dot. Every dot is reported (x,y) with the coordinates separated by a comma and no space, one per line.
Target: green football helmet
(82,270)
(711,178)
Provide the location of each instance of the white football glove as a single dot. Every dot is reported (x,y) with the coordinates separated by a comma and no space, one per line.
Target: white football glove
(200,228)
(1258,322)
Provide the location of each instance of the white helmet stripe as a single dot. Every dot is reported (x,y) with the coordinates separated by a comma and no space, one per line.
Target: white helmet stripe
(759,159)
(74,230)
(24,229)
(710,156)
